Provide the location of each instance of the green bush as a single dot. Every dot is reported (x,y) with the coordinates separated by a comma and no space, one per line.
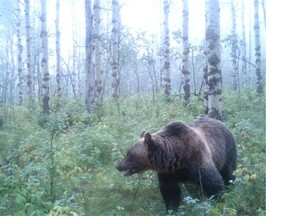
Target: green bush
(63,164)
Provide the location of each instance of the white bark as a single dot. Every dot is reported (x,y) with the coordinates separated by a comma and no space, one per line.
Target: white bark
(115,49)
(243,45)
(234,46)
(20,53)
(185,61)
(58,51)
(214,59)
(257,48)
(28,49)
(44,61)
(97,50)
(90,97)
(167,69)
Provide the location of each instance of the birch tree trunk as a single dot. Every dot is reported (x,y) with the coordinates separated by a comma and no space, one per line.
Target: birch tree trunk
(167,69)
(28,49)
(20,53)
(58,51)
(243,45)
(97,50)
(205,65)
(90,97)
(185,61)
(250,44)
(234,46)
(115,49)
(257,48)
(214,76)
(44,61)
(264,11)
(1,109)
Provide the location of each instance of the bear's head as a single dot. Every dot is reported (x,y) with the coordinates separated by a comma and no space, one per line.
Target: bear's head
(136,159)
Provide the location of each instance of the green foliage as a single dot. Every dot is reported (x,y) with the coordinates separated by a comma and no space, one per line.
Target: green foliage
(63,164)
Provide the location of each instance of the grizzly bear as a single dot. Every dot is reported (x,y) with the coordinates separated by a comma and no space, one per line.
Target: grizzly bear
(202,153)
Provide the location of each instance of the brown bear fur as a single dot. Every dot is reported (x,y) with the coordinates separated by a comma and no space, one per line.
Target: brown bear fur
(203,153)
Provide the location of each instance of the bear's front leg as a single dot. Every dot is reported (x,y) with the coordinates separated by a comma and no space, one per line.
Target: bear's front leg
(170,191)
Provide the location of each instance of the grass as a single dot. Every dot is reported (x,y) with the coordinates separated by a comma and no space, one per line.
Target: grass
(63,164)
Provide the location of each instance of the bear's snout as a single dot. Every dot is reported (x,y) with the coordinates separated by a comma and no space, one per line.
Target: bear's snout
(119,167)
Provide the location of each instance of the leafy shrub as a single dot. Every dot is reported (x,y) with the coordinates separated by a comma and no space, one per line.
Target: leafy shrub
(63,164)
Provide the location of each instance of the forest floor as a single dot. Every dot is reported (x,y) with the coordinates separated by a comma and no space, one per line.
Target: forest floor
(63,164)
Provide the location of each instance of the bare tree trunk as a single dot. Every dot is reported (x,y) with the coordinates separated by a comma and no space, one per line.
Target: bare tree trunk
(115,49)
(98,59)
(44,61)
(205,65)
(20,53)
(243,44)
(193,71)
(12,63)
(1,108)
(74,71)
(28,50)
(90,97)
(250,45)
(257,48)
(185,61)
(58,51)
(214,75)
(264,11)
(234,46)
(167,69)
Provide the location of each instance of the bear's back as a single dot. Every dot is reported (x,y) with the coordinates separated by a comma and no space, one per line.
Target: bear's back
(218,137)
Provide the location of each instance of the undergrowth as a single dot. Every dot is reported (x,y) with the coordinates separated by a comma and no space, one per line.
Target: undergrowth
(63,164)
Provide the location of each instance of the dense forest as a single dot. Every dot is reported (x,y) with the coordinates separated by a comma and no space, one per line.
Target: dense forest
(80,80)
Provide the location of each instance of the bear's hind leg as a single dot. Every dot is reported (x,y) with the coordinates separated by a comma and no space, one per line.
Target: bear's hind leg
(227,174)
(208,178)
(170,191)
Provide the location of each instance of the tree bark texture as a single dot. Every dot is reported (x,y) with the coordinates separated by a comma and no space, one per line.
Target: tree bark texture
(243,46)
(234,43)
(20,53)
(90,76)
(115,49)
(28,49)
(185,61)
(97,50)
(44,61)
(214,77)
(257,48)
(167,69)
(58,51)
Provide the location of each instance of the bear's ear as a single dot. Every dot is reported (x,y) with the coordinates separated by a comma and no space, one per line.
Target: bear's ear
(142,134)
(147,138)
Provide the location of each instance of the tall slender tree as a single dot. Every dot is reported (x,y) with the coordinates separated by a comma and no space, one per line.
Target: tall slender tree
(58,51)
(167,69)
(20,53)
(28,49)
(264,11)
(205,65)
(234,46)
(257,48)
(44,61)
(90,76)
(115,49)
(1,108)
(185,42)
(97,50)
(214,76)
(243,46)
